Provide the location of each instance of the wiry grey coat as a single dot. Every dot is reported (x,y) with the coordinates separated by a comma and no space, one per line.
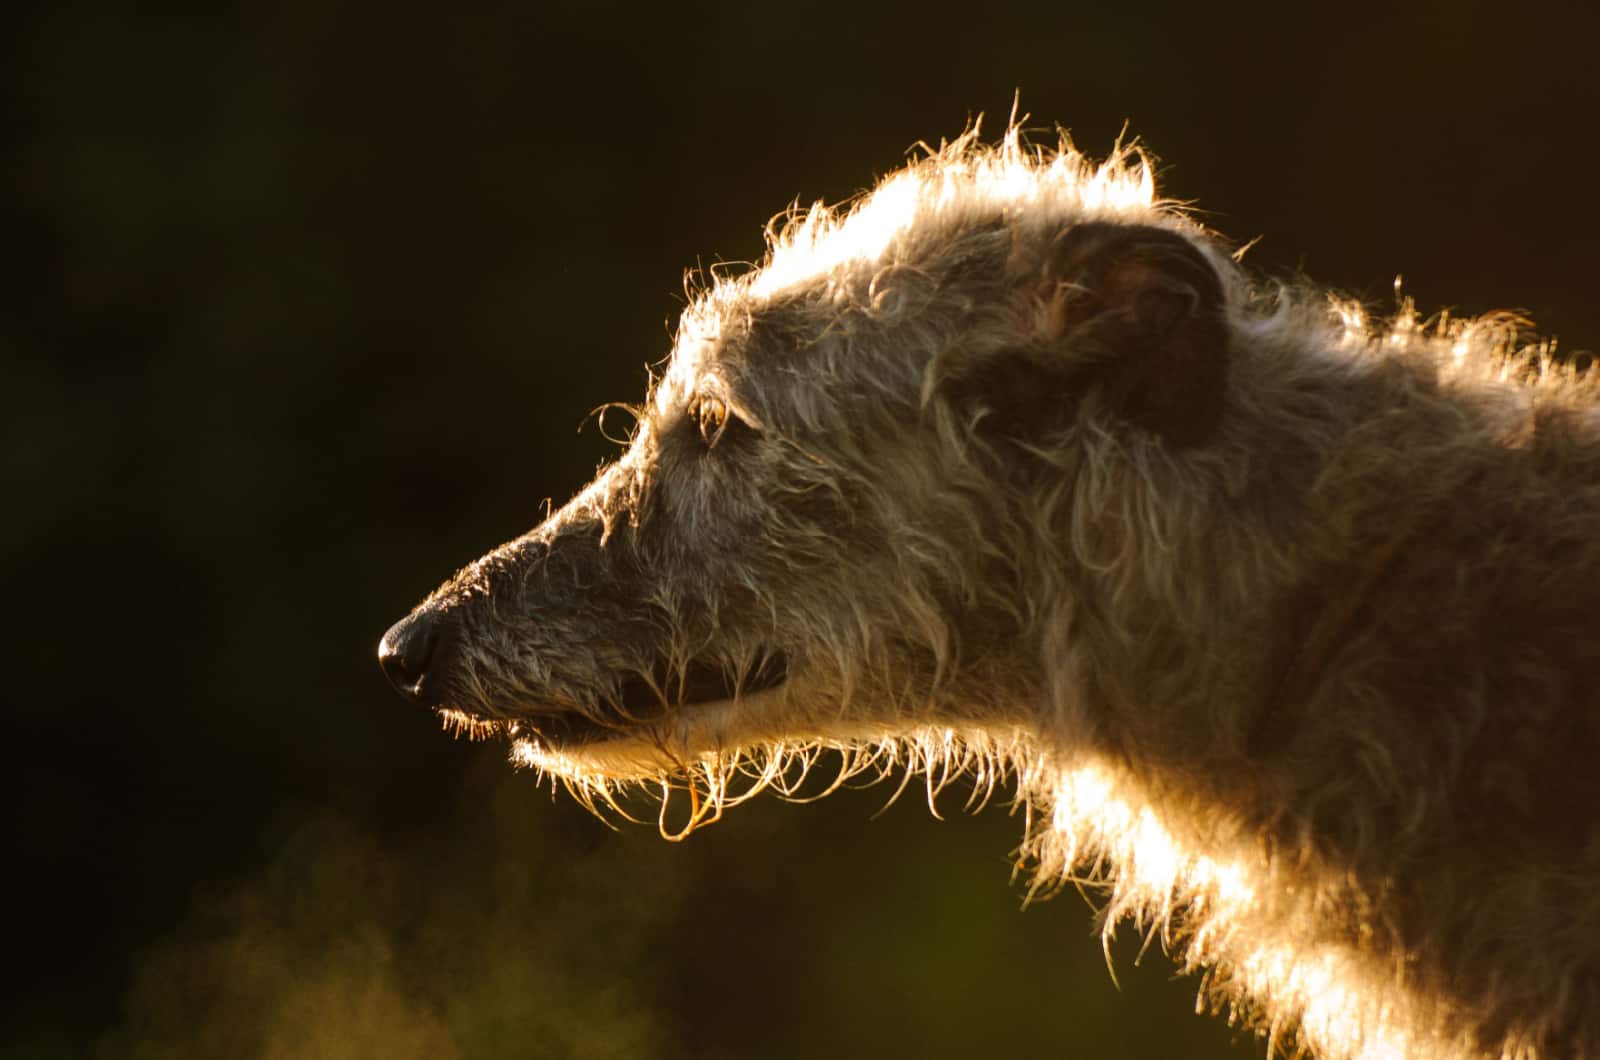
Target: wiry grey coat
(1283,625)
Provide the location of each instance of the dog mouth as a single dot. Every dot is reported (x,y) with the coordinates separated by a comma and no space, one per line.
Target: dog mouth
(640,702)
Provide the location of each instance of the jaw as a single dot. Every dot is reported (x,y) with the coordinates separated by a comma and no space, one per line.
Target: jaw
(648,723)
(758,735)
(717,729)
(717,753)
(700,734)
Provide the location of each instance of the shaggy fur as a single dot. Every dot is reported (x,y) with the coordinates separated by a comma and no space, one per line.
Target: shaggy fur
(1281,625)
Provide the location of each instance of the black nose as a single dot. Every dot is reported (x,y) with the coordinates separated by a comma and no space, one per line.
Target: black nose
(405,651)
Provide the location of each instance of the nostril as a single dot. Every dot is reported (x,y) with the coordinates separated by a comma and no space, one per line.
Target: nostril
(405,651)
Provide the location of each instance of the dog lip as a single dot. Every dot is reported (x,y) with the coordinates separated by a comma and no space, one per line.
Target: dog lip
(640,703)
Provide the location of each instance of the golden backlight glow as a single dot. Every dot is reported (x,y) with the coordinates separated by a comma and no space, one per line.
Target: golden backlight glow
(1495,341)
(1209,913)
(816,241)
(1087,825)
(460,723)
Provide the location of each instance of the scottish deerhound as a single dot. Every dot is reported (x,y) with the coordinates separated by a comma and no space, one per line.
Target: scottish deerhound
(1279,621)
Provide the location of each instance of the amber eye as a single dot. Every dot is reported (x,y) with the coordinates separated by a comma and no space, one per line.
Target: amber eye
(711,413)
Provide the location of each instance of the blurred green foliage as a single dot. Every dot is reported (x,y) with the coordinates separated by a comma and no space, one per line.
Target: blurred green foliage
(307,301)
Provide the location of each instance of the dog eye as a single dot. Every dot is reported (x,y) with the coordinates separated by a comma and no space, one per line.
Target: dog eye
(711,413)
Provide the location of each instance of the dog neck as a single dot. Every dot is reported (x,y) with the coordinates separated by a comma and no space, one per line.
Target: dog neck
(1323,615)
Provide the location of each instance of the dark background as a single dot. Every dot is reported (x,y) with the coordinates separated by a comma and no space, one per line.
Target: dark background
(307,302)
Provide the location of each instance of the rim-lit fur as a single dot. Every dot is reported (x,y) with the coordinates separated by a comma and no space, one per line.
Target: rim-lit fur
(1293,655)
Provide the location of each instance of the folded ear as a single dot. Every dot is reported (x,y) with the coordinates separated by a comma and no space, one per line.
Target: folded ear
(1126,318)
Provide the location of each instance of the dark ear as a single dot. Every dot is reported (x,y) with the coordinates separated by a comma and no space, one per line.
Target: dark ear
(1128,318)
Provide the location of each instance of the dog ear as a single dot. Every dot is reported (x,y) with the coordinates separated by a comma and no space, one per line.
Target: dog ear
(1128,318)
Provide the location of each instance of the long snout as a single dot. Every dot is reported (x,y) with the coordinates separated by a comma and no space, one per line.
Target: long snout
(486,642)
